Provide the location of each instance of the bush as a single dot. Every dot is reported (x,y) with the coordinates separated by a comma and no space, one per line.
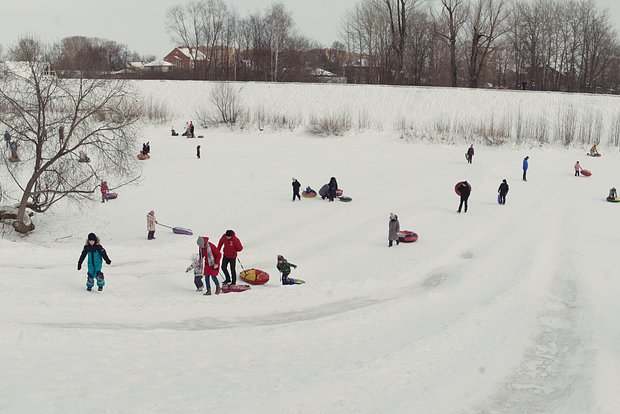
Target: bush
(332,124)
(155,111)
(227,102)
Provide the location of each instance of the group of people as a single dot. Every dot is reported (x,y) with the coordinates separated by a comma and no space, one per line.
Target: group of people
(12,145)
(327,191)
(206,263)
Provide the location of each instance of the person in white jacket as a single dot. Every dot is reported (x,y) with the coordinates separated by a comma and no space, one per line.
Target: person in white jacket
(150,225)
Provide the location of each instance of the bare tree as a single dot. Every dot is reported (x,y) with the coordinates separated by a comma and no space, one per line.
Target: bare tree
(279,23)
(185,25)
(448,24)
(53,120)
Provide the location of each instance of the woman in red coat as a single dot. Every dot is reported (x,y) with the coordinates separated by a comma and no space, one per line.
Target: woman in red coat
(232,245)
(211,267)
(104,191)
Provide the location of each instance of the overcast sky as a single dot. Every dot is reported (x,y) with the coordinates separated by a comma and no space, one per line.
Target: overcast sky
(140,23)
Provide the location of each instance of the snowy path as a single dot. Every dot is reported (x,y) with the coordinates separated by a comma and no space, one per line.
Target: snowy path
(505,309)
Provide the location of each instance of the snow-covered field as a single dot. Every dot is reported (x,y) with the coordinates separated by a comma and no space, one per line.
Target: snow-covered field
(504,309)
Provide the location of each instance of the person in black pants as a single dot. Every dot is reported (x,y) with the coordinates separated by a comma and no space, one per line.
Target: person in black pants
(503,190)
(296,187)
(232,246)
(333,186)
(465,190)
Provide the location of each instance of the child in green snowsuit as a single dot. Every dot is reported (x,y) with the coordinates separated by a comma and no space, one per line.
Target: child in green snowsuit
(285,268)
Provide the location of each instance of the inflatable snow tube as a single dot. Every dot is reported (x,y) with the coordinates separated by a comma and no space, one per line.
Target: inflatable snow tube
(310,194)
(345,199)
(593,155)
(613,199)
(291,281)
(143,156)
(586,173)
(110,196)
(181,230)
(234,288)
(456,187)
(339,192)
(254,276)
(407,236)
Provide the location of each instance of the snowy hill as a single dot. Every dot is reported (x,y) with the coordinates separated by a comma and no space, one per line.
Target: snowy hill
(504,309)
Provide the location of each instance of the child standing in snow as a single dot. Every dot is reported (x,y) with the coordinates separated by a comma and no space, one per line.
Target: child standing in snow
(394,228)
(285,268)
(150,225)
(96,254)
(577,169)
(197,266)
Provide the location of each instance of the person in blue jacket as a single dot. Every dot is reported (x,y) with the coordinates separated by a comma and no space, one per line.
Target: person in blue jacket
(525,166)
(96,255)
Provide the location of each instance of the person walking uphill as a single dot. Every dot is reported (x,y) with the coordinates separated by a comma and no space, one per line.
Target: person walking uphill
(232,246)
(503,190)
(198,151)
(150,225)
(526,165)
(96,254)
(285,268)
(470,154)
(577,169)
(296,187)
(394,228)
(465,190)
(211,265)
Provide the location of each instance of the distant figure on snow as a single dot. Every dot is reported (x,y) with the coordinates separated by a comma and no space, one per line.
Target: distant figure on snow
(232,246)
(323,191)
(173,132)
(503,190)
(198,151)
(577,169)
(104,191)
(394,229)
(526,165)
(150,225)
(465,190)
(211,265)
(82,157)
(470,154)
(7,138)
(191,130)
(285,268)
(147,148)
(612,193)
(296,186)
(594,151)
(96,254)
(332,187)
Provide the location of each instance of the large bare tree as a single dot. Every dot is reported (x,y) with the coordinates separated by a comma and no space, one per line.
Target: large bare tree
(279,25)
(53,120)
(448,24)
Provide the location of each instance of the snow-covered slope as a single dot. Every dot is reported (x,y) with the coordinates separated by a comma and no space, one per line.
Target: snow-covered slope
(504,309)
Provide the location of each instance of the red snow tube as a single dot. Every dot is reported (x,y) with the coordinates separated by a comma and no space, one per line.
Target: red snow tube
(110,196)
(234,288)
(143,156)
(586,173)
(339,192)
(456,187)
(254,276)
(407,236)
(310,194)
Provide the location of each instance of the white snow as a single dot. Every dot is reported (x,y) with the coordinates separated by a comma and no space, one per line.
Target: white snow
(504,309)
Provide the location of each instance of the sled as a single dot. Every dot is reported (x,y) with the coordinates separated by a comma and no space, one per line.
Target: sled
(143,156)
(593,155)
(234,288)
(110,196)
(456,187)
(310,194)
(613,199)
(291,281)
(345,199)
(13,159)
(254,276)
(181,230)
(586,173)
(200,136)
(407,236)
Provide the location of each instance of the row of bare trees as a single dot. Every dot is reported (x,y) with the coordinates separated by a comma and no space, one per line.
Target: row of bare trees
(565,45)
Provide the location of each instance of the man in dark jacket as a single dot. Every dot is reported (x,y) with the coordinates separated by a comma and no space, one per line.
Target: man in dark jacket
(464,190)
(333,186)
(502,190)
(470,153)
(232,246)
(296,187)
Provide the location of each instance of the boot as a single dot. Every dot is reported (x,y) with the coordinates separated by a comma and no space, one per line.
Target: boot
(390,245)
(217,290)
(208,292)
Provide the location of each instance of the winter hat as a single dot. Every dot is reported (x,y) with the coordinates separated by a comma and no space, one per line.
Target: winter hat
(152,213)
(392,216)
(280,257)
(504,180)
(230,233)
(92,236)
(201,241)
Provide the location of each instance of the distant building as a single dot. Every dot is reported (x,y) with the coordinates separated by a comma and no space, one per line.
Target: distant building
(183,57)
(159,66)
(325,76)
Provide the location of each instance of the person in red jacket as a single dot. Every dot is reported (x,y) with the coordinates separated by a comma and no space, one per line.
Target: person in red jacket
(211,267)
(232,246)
(104,191)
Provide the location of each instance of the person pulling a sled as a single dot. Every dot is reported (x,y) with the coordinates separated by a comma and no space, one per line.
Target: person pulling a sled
(232,245)
(296,186)
(96,255)
(150,225)
(465,191)
(394,229)
(104,191)
(285,268)
(577,169)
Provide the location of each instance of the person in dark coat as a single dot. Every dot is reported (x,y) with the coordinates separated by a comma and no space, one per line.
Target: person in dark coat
(7,138)
(465,190)
(296,187)
(470,153)
(394,229)
(332,187)
(147,148)
(191,130)
(232,246)
(323,191)
(96,254)
(503,190)
(526,165)
(198,151)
